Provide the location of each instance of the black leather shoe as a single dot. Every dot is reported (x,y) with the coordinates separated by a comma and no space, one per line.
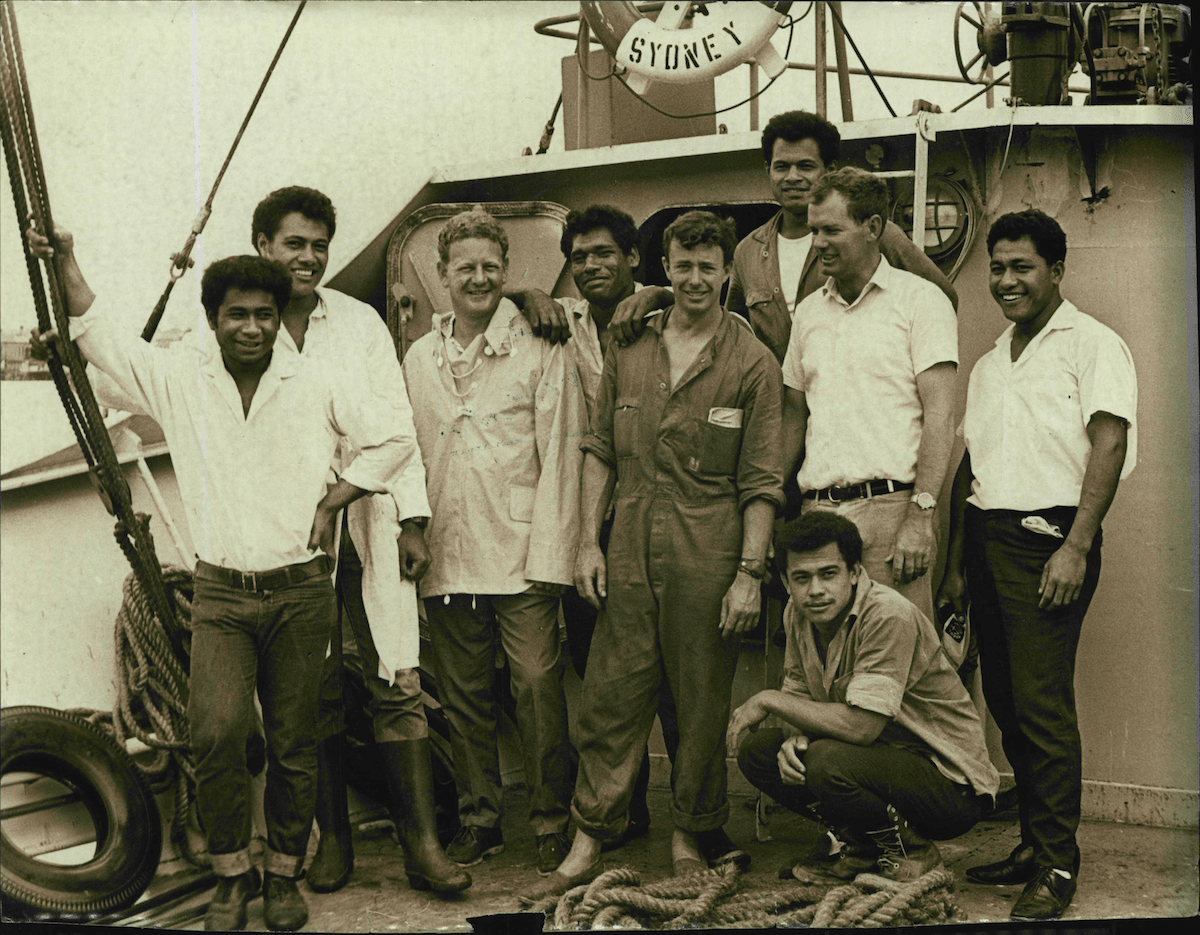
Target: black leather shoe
(1046,896)
(1017,867)
(717,849)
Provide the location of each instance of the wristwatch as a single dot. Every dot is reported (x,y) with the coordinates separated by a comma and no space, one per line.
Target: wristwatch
(924,500)
(755,568)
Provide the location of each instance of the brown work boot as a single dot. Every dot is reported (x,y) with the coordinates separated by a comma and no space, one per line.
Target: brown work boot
(284,909)
(410,779)
(848,855)
(904,854)
(227,908)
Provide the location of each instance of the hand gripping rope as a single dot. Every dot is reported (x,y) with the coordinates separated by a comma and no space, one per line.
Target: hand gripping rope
(153,625)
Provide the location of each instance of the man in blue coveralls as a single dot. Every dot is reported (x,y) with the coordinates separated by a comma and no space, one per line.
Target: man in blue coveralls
(688,421)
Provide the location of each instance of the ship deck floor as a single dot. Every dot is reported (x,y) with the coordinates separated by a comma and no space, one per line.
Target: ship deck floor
(1129,872)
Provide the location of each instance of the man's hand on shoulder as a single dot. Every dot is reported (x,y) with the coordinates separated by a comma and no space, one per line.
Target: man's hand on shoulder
(546,317)
(629,317)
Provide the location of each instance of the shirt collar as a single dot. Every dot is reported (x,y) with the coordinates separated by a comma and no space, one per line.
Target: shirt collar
(658,322)
(499,333)
(321,308)
(881,278)
(1064,318)
(284,363)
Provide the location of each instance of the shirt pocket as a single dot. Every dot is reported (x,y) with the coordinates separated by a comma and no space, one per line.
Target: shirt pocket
(625,425)
(520,503)
(717,448)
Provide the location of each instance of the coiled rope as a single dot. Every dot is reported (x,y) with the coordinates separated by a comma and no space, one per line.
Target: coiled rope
(710,898)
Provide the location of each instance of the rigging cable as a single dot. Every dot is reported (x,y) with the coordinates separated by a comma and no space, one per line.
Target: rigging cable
(866,67)
(181,261)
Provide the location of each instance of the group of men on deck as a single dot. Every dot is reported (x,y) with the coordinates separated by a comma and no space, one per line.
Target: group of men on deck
(621,459)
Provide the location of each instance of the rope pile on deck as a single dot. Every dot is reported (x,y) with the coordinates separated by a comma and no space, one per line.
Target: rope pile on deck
(711,898)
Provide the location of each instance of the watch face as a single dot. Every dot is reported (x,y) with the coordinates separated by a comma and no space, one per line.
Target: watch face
(925,501)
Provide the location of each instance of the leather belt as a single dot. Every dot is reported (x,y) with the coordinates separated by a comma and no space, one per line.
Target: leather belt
(271,580)
(867,489)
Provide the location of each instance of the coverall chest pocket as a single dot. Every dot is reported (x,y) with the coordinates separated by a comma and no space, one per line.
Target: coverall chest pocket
(718,442)
(769,326)
(625,426)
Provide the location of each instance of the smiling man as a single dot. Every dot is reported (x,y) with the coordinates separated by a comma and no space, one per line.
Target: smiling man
(1049,431)
(499,416)
(252,432)
(687,424)
(869,384)
(881,744)
(382,555)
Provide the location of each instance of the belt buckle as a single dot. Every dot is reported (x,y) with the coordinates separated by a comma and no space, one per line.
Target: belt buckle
(253,579)
(835,498)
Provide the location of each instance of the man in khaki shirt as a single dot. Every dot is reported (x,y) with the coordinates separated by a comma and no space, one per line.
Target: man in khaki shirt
(881,740)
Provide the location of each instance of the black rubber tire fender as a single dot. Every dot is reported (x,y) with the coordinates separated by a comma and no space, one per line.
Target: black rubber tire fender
(128,827)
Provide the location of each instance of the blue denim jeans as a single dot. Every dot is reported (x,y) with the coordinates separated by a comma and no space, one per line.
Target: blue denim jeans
(273,641)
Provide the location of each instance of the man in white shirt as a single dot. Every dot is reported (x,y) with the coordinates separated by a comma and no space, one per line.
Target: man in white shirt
(251,434)
(499,415)
(868,388)
(1050,431)
(382,556)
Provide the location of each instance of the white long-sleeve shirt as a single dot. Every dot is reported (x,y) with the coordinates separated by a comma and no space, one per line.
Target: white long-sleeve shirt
(349,336)
(250,482)
(502,456)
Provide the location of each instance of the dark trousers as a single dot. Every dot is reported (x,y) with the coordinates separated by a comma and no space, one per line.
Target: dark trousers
(1028,659)
(273,641)
(463,634)
(850,786)
(397,710)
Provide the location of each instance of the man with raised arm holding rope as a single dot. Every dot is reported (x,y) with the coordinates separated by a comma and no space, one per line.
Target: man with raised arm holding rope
(252,433)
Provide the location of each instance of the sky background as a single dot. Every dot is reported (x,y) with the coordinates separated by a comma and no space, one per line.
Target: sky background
(136,104)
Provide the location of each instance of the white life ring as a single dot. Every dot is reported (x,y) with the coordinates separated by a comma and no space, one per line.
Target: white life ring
(723,36)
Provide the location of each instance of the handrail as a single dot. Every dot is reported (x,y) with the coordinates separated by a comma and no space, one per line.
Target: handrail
(543,26)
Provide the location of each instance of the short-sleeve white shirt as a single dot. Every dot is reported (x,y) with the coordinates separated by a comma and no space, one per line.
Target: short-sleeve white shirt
(1026,421)
(857,364)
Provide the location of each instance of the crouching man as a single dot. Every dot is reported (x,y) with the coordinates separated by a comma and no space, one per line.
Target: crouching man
(881,742)
(251,435)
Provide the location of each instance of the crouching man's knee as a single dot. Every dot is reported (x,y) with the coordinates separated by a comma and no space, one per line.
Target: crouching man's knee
(757,756)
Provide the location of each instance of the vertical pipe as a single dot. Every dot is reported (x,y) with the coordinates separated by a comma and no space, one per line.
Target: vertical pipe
(163,513)
(819,28)
(753,95)
(582,111)
(987,75)
(920,181)
(839,51)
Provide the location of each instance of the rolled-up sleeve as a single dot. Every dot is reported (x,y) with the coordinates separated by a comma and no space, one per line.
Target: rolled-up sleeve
(1108,383)
(599,439)
(760,464)
(882,664)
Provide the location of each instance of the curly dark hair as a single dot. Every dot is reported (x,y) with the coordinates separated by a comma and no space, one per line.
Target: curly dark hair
(243,272)
(1047,236)
(796,125)
(817,528)
(865,194)
(597,217)
(271,211)
(701,229)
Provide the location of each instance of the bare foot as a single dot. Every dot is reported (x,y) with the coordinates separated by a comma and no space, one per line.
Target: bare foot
(683,845)
(585,851)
